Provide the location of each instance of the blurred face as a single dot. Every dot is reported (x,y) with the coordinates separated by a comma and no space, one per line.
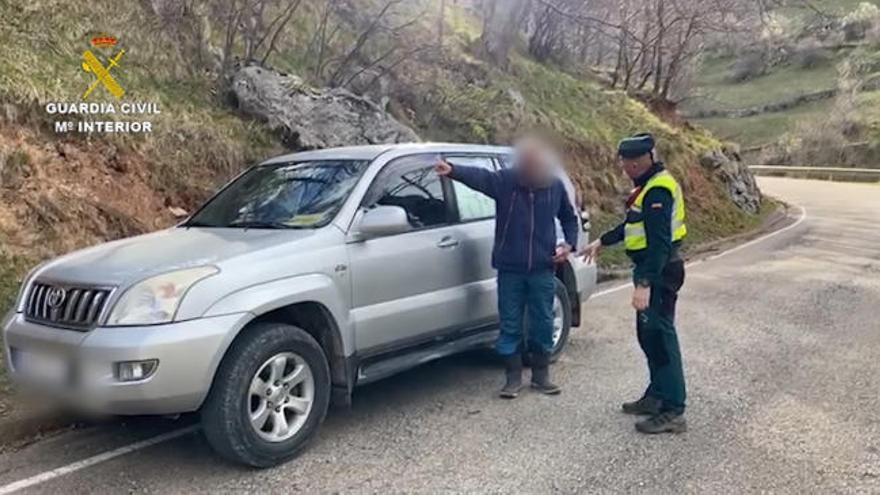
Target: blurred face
(636,167)
(533,160)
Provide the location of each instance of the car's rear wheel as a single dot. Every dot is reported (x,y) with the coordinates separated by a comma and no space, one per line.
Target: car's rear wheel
(269,396)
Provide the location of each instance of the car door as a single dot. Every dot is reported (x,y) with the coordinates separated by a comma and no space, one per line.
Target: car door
(475,229)
(404,285)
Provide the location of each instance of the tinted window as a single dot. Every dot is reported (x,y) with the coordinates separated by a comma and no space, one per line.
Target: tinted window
(412,184)
(472,205)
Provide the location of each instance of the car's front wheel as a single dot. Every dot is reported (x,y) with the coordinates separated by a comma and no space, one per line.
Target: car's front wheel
(269,395)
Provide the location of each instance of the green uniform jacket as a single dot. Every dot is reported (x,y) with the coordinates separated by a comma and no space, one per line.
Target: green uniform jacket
(657,206)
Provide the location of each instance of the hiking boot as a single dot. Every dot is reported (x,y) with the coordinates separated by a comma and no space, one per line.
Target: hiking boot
(541,375)
(513,373)
(665,422)
(646,406)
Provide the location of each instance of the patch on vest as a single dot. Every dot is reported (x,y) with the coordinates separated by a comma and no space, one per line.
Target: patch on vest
(657,206)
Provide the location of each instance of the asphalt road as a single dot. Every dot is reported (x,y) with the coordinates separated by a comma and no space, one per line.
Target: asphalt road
(781,344)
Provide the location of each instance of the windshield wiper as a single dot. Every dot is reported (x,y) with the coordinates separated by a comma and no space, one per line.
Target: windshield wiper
(261,224)
(197,224)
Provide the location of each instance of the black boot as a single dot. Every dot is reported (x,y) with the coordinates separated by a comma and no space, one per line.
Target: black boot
(665,422)
(541,375)
(513,372)
(646,406)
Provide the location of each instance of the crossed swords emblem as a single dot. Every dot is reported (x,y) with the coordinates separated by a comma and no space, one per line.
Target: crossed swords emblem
(102,74)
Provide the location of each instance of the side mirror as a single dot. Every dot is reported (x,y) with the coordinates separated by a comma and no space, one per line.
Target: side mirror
(384,220)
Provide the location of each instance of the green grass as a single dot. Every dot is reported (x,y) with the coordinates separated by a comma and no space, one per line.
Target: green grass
(45,65)
(718,92)
(779,84)
(833,7)
(869,113)
(579,108)
(765,128)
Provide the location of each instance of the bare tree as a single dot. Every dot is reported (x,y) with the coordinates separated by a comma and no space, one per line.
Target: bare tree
(654,42)
(501,26)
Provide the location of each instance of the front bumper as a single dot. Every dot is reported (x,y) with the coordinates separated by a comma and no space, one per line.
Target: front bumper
(188,354)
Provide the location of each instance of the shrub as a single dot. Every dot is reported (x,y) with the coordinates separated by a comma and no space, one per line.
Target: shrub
(858,23)
(748,66)
(810,57)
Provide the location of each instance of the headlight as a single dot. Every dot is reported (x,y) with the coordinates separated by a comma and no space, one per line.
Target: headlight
(155,300)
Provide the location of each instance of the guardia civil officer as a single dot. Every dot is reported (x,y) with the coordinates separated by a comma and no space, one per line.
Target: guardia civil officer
(652,232)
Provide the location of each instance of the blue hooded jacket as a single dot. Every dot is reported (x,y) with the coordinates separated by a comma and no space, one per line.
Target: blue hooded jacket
(525,227)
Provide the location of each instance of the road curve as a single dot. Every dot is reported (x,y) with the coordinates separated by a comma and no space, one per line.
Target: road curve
(781,344)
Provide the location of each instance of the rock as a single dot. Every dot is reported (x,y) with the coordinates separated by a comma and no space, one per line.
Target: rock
(309,118)
(177,211)
(370,83)
(736,176)
(517,98)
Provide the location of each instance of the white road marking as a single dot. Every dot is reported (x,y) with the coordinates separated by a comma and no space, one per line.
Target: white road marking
(96,459)
(106,456)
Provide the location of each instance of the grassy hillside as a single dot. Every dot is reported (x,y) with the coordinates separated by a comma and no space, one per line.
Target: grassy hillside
(783,81)
(59,193)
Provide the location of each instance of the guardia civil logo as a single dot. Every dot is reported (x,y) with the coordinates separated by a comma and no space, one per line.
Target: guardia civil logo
(101,70)
(101,108)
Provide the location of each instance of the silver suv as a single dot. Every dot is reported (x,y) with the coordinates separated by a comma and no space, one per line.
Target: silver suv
(305,276)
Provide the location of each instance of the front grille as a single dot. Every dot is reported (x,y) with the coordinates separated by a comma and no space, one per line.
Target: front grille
(65,306)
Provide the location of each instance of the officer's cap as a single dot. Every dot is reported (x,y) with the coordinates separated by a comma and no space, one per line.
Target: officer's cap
(636,146)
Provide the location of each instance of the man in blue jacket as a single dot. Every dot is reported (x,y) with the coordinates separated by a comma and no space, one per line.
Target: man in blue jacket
(529,197)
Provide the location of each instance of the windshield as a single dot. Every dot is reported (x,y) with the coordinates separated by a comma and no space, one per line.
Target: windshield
(282,196)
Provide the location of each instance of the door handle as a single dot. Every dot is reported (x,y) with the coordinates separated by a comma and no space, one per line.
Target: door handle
(447,242)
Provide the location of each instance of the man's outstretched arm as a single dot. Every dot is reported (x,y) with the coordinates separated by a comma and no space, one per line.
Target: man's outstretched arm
(476,178)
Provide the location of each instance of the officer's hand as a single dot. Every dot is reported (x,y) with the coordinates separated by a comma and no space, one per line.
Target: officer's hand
(591,252)
(641,298)
(562,252)
(442,168)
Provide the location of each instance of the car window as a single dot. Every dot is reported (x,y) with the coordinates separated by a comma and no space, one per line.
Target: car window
(411,183)
(472,205)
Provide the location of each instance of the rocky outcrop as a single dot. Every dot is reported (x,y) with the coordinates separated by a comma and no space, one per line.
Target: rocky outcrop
(309,118)
(736,176)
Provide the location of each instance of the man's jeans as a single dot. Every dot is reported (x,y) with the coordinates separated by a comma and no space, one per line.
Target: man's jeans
(518,292)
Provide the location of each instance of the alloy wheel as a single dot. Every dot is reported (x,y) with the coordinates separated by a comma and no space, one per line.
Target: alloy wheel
(280,397)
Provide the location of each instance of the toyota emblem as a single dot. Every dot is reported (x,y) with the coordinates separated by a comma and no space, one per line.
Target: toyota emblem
(55,297)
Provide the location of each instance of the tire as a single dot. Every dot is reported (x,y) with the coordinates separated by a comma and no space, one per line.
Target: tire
(561,295)
(227,412)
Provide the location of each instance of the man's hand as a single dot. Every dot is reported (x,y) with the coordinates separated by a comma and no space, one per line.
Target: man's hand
(641,298)
(562,252)
(442,168)
(591,252)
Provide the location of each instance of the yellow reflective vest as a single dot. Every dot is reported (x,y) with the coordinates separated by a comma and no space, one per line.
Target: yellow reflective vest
(635,237)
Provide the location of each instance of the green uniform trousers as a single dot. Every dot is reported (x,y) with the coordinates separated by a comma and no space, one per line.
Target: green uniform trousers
(657,337)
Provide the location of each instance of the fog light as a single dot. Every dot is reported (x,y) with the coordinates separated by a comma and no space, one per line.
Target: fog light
(131,371)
